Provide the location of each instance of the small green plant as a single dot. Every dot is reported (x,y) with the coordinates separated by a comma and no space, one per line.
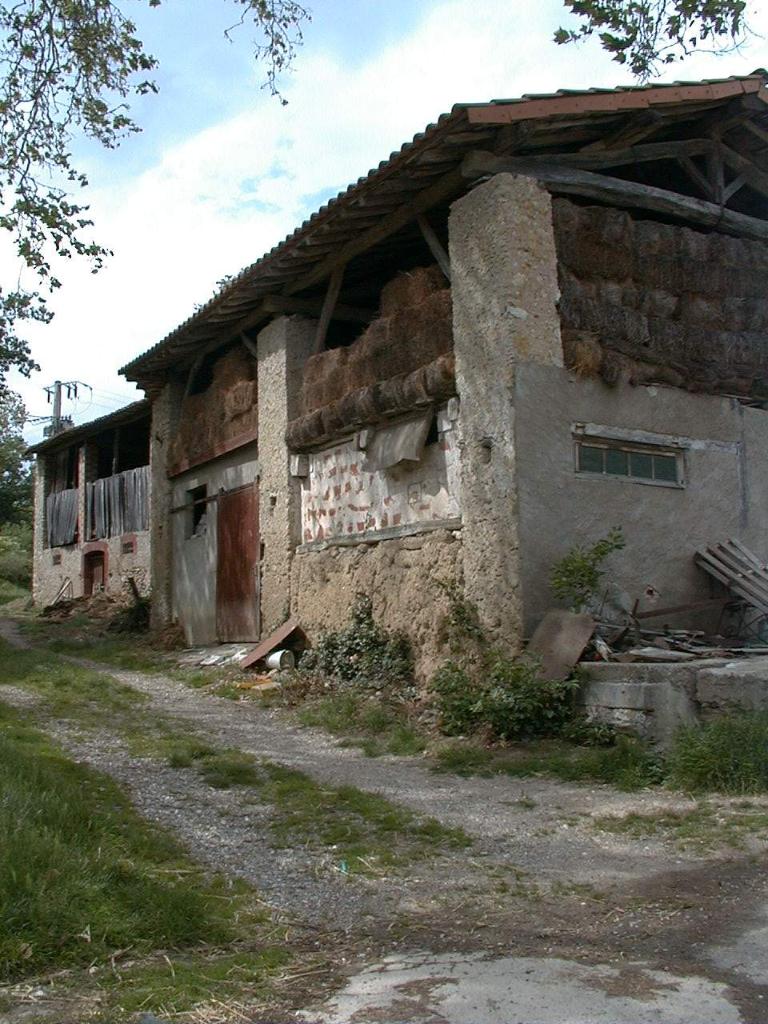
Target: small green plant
(457,699)
(576,577)
(727,755)
(364,653)
(519,703)
(483,689)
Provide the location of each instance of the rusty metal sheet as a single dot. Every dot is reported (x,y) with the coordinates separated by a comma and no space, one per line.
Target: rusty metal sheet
(237,581)
(559,641)
(274,640)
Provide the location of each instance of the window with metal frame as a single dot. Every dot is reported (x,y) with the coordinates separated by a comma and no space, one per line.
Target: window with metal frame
(648,464)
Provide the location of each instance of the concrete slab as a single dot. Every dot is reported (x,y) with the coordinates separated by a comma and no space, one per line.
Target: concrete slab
(747,954)
(216,656)
(455,988)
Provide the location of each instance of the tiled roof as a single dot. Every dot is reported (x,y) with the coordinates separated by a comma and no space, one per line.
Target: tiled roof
(432,157)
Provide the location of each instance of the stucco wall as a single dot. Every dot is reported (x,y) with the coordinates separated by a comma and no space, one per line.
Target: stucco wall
(194,557)
(725,493)
(402,577)
(340,498)
(48,577)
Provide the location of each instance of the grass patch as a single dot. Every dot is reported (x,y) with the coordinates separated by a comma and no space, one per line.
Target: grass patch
(82,875)
(628,764)
(69,691)
(131,655)
(11,592)
(227,768)
(367,830)
(185,982)
(704,827)
(366,722)
(727,755)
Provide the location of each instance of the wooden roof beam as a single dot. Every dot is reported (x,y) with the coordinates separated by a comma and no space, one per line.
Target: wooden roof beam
(597,159)
(570,181)
(634,129)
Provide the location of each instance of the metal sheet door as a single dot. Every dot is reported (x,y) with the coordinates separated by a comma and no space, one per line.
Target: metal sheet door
(237,579)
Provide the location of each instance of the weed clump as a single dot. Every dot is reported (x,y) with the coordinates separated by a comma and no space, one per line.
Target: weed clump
(363,654)
(727,755)
(508,697)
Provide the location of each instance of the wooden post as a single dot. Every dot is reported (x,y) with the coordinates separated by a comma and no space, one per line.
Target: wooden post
(334,287)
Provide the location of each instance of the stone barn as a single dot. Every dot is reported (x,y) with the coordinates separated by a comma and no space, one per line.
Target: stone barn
(91,508)
(541,318)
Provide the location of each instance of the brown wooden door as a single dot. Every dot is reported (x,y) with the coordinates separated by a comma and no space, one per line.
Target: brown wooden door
(93,573)
(237,582)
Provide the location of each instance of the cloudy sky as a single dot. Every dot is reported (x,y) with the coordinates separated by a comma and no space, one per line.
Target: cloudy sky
(222,172)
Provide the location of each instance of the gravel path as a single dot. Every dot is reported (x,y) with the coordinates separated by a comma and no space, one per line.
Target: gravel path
(524,883)
(550,833)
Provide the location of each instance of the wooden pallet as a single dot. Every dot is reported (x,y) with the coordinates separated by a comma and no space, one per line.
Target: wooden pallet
(738,569)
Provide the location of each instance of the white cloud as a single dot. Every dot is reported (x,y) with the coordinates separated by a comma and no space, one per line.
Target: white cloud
(221,198)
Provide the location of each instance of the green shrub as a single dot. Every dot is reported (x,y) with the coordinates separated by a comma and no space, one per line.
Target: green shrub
(16,554)
(457,699)
(363,653)
(727,755)
(509,698)
(519,703)
(576,577)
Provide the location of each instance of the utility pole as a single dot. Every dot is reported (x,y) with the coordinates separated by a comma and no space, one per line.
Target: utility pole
(54,392)
(56,421)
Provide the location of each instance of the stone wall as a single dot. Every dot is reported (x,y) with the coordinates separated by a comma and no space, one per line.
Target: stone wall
(402,576)
(654,701)
(649,302)
(121,566)
(165,418)
(283,349)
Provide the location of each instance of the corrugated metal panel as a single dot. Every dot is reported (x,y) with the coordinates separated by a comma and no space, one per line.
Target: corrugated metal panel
(61,517)
(118,504)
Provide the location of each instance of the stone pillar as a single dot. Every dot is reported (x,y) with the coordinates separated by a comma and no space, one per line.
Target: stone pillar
(165,416)
(505,293)
(39,542)
(283,348)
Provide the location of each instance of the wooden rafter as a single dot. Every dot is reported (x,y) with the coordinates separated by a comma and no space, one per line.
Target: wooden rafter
(754,176)
(444,187)
(589,160)
(636,128)
(700,180)
(312,307)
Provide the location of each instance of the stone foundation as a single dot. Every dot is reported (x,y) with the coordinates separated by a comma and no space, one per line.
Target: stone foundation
(653,701)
